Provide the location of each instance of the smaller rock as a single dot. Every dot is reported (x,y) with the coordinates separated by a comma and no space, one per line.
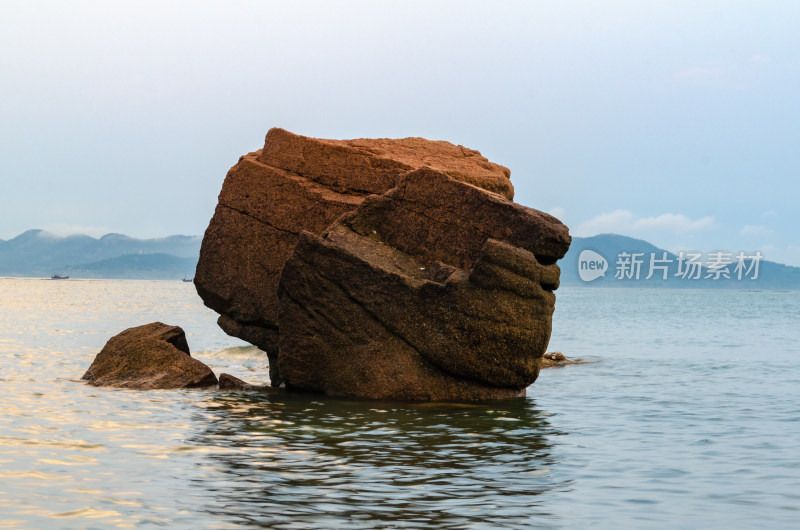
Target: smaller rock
(229,382)
(553,359)
(146,357)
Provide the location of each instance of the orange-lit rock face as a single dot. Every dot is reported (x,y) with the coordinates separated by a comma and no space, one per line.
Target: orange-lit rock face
(415,276)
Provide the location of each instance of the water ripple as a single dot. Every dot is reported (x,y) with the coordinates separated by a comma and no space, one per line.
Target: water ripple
(691,419)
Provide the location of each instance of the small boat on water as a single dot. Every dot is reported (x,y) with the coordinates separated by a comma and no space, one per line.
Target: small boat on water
(185,279)
(59,277)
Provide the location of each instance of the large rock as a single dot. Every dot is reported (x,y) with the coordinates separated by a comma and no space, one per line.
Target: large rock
(392,269)
(297,183)
(147,357)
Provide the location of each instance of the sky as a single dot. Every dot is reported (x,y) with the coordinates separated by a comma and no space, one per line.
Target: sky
(673,121)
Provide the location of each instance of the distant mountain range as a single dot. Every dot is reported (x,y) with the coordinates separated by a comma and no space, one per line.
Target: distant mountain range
(37,253)
(709,271)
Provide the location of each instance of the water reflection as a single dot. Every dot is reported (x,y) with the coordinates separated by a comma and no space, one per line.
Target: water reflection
(303,461)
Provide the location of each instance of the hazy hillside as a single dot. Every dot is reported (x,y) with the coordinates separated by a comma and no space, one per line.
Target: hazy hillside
(136,266)
(39,253)
(612,246)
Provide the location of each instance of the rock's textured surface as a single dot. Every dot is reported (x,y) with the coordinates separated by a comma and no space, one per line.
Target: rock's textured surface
(297,183)
(393,269)
(147,357)
(374,165)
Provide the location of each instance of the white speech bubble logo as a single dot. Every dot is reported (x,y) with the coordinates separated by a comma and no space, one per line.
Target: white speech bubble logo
(591,265)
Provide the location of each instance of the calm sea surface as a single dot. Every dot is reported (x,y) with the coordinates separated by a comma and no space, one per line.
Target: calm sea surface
(689,416)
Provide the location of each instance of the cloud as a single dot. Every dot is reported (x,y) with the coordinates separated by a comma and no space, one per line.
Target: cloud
(605,222)
(738,74)
(624,222)
(769,213)
(789,255)
(559,212)
(755,231)
(62,229)
(676,223)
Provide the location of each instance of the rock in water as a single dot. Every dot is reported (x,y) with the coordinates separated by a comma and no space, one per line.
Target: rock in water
(147,357)
(392,269)
(293,184)
(554,359)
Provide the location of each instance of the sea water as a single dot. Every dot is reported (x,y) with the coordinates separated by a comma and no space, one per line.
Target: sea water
(686,415)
